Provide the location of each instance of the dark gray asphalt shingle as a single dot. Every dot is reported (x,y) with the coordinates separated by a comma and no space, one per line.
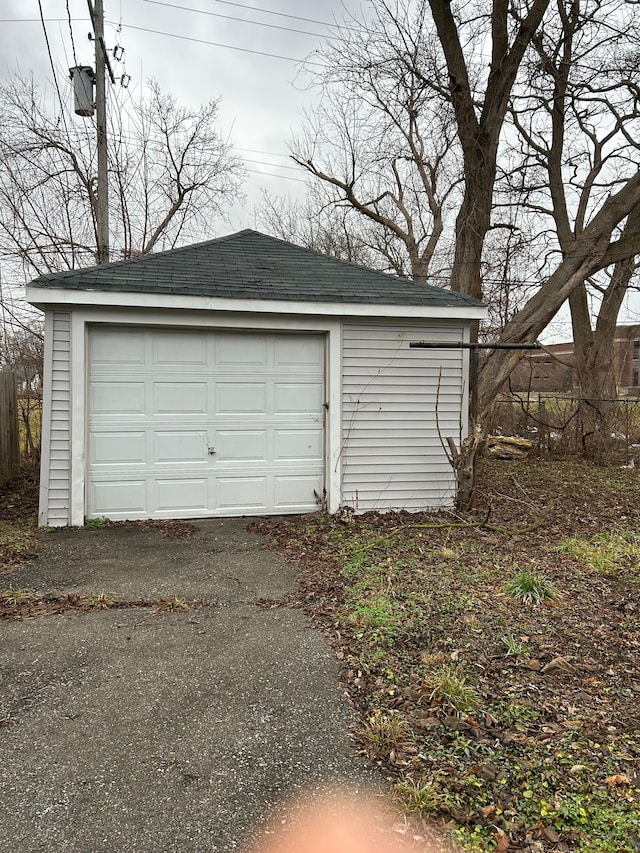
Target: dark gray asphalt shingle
(250,265)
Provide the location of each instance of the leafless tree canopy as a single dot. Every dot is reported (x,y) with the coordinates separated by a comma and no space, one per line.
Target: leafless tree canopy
(314,223)
(380,140)
(511,127)
(170,172)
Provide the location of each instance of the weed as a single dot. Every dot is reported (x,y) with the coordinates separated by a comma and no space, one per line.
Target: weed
(382,733)
(448,686)
(416,796)
(14,597)
(100,600)
(531,588)
(514,647)
(97,522)
(510,714)
(173,603)
(376,614)
(449,554)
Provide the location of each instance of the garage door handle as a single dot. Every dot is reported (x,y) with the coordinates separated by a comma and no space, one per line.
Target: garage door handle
(211,450)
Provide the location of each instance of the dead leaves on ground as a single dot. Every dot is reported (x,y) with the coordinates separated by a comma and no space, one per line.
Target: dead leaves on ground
(17,605)
(548,758)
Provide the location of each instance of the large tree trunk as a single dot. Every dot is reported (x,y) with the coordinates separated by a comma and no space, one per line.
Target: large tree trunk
(591,252)
(479,131)
(596,380)
(596,377)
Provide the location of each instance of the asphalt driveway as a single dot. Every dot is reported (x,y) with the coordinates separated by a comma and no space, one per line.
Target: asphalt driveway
(132,730)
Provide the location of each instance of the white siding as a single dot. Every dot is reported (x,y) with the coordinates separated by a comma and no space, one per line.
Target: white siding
(392,455)
(56,456)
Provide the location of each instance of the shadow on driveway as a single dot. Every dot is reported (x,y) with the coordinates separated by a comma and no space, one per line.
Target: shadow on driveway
(131,730)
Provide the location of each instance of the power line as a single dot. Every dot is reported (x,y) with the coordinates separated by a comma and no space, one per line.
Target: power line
(218,44)
(275,165)
(73,44)
(268,153)
(274,175)
(53,70)
(268,12)
(36,20)
(233,18)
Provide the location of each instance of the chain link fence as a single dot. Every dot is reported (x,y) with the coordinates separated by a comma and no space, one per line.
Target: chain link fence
(607,430)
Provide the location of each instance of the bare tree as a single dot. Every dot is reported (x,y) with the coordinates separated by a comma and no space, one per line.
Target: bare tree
(170,173)
(578,117)
(315,223)
(380,142)
(480,102)
(473,59)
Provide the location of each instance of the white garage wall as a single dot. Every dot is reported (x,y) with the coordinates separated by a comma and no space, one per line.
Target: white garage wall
(382,446)
(55,490)
(392,455)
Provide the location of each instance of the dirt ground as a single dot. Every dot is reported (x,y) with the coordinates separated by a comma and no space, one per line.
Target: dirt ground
(515,725)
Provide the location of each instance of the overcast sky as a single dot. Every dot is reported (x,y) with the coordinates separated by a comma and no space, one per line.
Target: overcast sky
(217,52)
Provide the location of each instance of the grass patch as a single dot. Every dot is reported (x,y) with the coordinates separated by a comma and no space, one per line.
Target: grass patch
(605,552)
(97,523)
(448,685)
(515,647)
(384,733)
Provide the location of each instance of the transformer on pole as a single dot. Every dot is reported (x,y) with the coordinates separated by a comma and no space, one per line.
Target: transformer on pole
(83,80)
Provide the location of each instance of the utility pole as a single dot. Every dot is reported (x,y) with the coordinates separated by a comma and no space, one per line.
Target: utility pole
(102,190)
(83,79)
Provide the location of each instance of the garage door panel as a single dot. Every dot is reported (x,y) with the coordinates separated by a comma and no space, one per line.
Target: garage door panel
(240,349)
(159,399)
(298,397)
(233,398)
(128,448)
(175,349)
(180,447)
(242,494)
(119,347)
(119,498)
(117,398)
(299,352)
(305,444)
(181,495)
(171,398)
(233,446)
(296,492)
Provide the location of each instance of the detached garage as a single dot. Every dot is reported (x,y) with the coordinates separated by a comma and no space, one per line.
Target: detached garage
(246,376)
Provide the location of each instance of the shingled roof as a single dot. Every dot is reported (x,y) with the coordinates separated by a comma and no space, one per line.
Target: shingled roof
(250,265)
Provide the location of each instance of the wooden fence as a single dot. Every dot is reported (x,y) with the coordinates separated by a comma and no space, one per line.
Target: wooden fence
(9,438)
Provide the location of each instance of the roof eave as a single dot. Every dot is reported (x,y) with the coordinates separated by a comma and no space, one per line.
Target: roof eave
(47,298)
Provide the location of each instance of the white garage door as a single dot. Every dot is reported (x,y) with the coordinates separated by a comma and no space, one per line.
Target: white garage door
(199,423)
